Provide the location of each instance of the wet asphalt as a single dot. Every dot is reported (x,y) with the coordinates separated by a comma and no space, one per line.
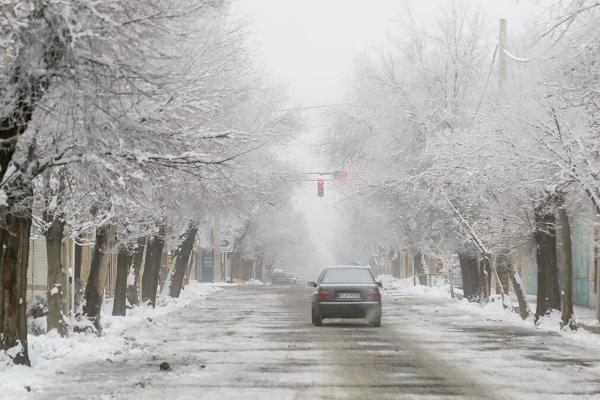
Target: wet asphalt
(257,342)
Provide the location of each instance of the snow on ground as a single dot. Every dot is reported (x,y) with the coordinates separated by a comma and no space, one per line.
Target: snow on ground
(238,344)
(50,353)
(256,342)
(495,311)
(495,345)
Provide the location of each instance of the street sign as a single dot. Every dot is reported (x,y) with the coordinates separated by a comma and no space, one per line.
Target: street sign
(226,244)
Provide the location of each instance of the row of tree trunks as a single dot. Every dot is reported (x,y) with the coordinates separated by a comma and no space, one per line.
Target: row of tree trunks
(13,266)
(58,279)
(132,287)
(548,295)
(151,273)
(124,262)
(94,291)
(182,256)
(471,277)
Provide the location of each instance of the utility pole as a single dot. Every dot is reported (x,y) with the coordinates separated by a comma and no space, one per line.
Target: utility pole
(501,54)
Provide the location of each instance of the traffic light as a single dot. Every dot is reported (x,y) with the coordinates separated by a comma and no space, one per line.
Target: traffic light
(321,186)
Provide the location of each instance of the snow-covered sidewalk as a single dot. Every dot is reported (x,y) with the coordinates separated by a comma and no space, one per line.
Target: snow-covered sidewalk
(50,354)
(257,342)
(394,287)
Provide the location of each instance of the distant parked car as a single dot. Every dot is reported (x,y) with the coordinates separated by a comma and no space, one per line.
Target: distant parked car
(292,278)
(346,292)
(280,278)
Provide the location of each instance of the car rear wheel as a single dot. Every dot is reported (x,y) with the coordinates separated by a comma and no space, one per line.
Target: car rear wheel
(316,318)
(376,321)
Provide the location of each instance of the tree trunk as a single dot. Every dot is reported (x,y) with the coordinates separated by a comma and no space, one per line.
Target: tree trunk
(132,287)
(450,270)
(503,265)
(188,271)
(13,265)
(419,268)
(567,320)
(14,236)
(152,267)
(237,265)
(469,269)
(163,272)
(78,289)
(396,265)
(58,292)
(548,296)
(2,293)
(182,256)
(124,261)
(485,279)
(77,261)
(150,261)
(94,290)
(597,286)
(519,289)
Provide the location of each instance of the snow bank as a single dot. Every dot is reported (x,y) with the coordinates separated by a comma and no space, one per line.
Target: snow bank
(164,305)
(253,282)
(224,284)
(50,353)
(399,287)
(494,310)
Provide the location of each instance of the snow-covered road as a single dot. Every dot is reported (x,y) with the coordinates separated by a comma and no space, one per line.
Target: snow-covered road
(256,342)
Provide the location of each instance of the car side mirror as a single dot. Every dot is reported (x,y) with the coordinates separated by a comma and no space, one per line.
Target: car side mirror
(311,284)
(379,284)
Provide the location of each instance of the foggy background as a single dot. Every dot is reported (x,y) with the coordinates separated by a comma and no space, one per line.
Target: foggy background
(289,35)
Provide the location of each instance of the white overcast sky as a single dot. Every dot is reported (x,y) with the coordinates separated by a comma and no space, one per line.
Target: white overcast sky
(309,47)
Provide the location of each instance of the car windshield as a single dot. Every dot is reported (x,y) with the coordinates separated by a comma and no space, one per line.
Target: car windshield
(348,275)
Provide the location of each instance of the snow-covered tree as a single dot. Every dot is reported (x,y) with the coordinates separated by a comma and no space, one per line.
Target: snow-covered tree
(154,112)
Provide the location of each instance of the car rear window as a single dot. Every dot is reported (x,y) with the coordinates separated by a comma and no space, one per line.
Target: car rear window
(348,275)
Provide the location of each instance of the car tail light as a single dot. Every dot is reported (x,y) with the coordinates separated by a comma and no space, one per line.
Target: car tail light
(374,295)
(323,295)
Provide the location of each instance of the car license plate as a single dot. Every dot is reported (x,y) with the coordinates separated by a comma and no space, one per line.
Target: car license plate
(348,296)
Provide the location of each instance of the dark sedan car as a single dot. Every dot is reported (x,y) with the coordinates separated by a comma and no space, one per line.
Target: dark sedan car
(280,278)
(346,292)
